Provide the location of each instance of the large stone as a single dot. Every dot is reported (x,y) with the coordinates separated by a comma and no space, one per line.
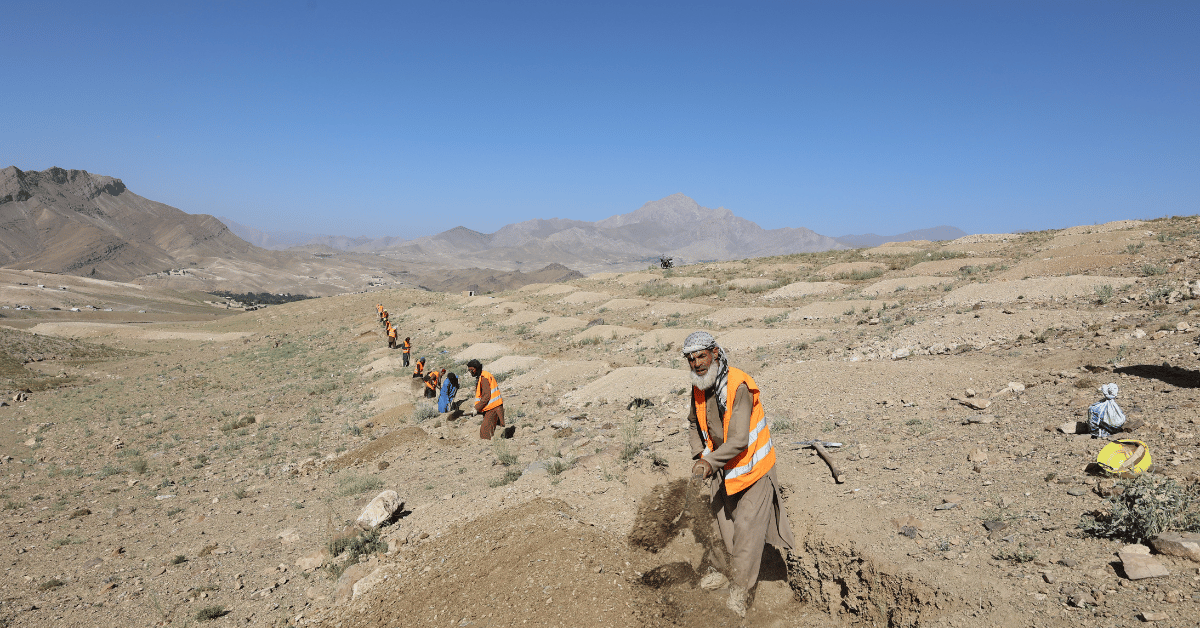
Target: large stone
(1182,544)
(1141,566)
(366,582)
(978,455)
(381,509)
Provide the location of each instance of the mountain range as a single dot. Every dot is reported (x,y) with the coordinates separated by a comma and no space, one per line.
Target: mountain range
(78,223)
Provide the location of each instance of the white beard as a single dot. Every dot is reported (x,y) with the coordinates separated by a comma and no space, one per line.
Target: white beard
(706,381)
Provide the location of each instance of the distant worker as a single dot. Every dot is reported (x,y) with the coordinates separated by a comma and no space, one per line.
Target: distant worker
(379,306)
(419,371)
(449,390)
(488,401)
(407,349)
(391,332)
(730,441)
(431,384)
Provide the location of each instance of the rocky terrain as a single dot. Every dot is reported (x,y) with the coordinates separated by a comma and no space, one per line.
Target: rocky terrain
(206,467)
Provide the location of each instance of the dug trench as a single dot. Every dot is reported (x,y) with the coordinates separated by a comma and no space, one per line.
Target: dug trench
(543,563)
(823,578)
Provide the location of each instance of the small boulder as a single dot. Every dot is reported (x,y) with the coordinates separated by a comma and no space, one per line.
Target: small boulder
(381,509)
(1182,544)
(365,583)
(312,561)
(343,591)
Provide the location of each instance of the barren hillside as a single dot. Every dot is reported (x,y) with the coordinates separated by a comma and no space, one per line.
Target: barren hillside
(205,471)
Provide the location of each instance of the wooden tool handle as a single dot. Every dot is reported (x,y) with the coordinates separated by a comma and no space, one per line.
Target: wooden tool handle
(837,475)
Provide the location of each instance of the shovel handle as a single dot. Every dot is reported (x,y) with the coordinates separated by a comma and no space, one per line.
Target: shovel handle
(837,475)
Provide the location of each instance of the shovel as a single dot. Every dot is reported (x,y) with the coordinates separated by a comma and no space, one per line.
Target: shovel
(820,446)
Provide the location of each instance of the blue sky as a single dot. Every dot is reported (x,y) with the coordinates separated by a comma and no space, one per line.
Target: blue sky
(406,119)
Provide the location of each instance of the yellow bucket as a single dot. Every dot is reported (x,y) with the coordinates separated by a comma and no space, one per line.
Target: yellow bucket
(1125,457)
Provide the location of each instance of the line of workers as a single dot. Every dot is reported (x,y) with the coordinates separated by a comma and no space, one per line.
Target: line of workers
(444,385)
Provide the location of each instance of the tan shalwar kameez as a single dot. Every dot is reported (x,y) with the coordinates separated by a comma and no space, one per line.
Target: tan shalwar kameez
(753,517)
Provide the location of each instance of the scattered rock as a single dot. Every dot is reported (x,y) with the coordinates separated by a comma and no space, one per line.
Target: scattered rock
(1154,616)
(976,404)
(983,419)
(289,536)
(978,456)
(312,561)
(1081,600)
(1077,492)
(381,509)
(900,354)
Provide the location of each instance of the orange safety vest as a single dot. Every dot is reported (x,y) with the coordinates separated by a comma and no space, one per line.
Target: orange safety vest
(496,399)
(419,370)
(758,458)
(432,382)
(379,306)
(391,332)
(407,346)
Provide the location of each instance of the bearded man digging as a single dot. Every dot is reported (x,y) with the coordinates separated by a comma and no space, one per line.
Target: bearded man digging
(730,439)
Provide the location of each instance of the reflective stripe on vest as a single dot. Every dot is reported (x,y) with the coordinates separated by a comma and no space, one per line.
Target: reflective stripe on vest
(759,456)
(496,399)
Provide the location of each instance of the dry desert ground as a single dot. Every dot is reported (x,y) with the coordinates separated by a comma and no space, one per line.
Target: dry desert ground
(183,465)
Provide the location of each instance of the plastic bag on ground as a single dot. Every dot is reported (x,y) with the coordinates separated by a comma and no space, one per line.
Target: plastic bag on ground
(1105,418)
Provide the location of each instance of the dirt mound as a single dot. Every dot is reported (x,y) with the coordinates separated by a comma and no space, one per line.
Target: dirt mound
(534,564)
(800,289)
(378,447)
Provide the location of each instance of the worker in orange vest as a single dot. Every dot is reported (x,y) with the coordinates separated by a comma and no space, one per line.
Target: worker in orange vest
(432,384)
(419,371)
(379,307)
(391,332)
(407,349)
(385,318)
(729,433)
(488,401)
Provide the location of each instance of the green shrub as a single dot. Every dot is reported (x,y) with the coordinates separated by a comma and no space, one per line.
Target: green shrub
(510,475)
(1146,506)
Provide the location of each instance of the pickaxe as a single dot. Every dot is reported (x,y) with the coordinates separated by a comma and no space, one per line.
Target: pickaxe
(820,446)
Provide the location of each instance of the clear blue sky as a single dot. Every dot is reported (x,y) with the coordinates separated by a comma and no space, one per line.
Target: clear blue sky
(408,118)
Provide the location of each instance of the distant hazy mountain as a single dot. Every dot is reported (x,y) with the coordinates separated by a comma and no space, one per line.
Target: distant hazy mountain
(77,223)
(273,240)
(676,226)
(943,232)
